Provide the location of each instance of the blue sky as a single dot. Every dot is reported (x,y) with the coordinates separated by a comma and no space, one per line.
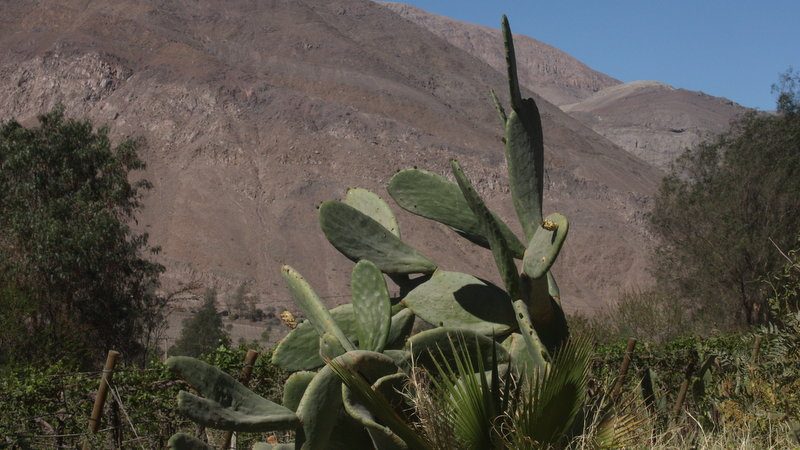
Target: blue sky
(734,48)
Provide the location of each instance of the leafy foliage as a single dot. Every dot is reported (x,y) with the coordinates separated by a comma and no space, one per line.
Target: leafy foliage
(717,213)
(788,90)
(38,403)
(73,277)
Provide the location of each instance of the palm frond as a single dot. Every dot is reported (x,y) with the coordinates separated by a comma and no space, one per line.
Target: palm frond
(464,390)
(553,397)
(475,396)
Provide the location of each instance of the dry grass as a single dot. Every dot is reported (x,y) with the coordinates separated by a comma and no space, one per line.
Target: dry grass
(429,411)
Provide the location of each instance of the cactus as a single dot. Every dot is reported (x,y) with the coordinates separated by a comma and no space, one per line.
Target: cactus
(182,441)
(373,206)
(299,350)
(369,342)
(226,404)
(436,344)
(312,306)
(371,306)
(323,397)
(295,387)
(433,197)
(452,299)
(545,245)
(359,236)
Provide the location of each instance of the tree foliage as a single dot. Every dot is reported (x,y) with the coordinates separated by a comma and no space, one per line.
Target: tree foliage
(720,213)
(74,280)
(203,332)
(788,90)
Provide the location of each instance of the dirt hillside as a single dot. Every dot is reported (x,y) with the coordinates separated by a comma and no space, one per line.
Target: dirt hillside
(655,121)
(255,112)
(652,120)
(556,76)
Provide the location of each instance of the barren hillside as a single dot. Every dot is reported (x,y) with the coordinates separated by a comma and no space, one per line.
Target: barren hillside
(254,112)
(655,121)
(556,76)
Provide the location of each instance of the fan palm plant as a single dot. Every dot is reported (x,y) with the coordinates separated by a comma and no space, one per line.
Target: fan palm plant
(466,405)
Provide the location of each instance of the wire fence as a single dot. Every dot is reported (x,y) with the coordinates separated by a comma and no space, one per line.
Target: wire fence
(51,410)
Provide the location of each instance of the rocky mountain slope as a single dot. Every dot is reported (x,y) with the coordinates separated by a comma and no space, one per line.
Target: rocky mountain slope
(651,120)
(556,76)
(255,112)
(655,121)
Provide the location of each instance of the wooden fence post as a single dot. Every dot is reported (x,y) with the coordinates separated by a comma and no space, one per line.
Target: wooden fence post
(687,378)
(247,372)
(623,369)
(102,393)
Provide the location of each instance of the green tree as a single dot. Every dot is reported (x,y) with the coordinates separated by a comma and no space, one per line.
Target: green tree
(74,281)
(788,90)
(721,212)
(203,332)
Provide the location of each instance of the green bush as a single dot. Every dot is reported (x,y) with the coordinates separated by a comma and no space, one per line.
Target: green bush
(38,403)
(718,214)
(71,269)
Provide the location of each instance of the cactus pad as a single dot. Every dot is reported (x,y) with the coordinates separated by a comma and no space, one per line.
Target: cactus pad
(358,236)
(323,397)
(458,300)
(372,205)
(371,306)
(545,245)
(295,387)
(299,350)
(437,343)
(228,405)
(433,197)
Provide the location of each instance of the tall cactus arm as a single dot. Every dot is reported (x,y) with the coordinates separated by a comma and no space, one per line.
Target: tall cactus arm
(505,263)
(524,148)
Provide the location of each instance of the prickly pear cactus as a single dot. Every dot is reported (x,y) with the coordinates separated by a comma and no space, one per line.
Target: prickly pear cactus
(372,334)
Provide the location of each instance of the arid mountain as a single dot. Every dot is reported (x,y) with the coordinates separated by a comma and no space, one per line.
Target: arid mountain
(655,121)
(254,112)
(651,120)
(556,76)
